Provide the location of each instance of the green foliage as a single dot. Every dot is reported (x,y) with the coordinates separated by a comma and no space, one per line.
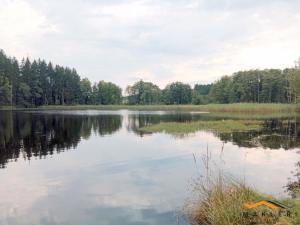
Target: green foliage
(199,99)
(257,86)
(5,80)
(177,93)
(107,93)
(23,94)
(221,91)
(5,91)
(147,93)
(86,91)
(200,94)
(294,87)
(143,93)
(38,83)
(202,89)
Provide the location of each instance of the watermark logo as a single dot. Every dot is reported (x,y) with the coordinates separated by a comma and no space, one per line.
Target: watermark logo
(267,203)
(267,210)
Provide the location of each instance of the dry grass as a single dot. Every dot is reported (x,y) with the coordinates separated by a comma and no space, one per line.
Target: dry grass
(221,202)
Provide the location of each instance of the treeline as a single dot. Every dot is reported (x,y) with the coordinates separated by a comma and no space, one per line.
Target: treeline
(258,86)
(253,86)
(39,83)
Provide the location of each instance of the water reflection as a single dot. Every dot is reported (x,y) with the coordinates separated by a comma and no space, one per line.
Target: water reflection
(30,135)
(115,176)
(135,121)
(293,186)
(275,134)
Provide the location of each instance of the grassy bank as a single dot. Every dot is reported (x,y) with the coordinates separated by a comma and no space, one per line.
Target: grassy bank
(224,108)
(222,126)
(225,202)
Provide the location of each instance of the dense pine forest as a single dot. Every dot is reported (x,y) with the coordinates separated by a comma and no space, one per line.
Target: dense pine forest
(35,83)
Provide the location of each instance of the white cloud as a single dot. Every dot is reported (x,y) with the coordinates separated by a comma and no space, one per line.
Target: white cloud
(187,40)
(21,25)
(129,12)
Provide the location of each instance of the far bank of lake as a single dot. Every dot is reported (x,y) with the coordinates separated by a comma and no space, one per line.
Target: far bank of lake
(263,108)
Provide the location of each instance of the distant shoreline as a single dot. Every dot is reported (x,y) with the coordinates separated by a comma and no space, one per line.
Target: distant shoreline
(226,108)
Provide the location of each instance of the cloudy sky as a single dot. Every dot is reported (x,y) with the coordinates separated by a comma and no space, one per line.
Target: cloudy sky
(195,41)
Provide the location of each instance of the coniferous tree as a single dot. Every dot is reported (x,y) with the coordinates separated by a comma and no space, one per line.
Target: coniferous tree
(35,83)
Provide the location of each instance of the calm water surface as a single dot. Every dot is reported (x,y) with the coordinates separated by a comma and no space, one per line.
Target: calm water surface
(96,167)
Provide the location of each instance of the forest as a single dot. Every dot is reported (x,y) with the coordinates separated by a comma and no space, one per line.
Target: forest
(36,83)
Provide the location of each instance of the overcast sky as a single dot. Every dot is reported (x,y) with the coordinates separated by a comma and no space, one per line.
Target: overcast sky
(194,41)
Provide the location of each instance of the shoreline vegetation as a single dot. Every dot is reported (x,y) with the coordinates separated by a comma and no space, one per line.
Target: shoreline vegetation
(223,201)
(33,83)
(217,198)
(268,108)
(221,126)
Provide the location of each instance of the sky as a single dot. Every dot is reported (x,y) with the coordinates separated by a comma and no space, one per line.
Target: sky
(122,41)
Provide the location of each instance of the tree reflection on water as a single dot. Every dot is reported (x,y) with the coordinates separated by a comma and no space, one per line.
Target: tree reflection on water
(38,135)
(27,135)
(293,186)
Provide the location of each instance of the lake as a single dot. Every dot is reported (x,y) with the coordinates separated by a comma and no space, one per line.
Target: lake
(96,167)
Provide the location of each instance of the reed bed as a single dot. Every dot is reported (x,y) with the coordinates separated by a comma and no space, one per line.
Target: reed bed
(224,108)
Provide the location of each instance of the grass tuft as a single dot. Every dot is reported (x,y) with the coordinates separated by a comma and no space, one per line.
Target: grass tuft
(221,126)
(222,202)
